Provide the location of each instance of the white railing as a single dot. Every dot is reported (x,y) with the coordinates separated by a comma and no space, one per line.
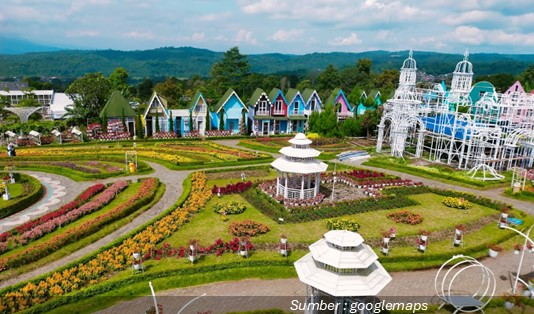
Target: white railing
(295,193)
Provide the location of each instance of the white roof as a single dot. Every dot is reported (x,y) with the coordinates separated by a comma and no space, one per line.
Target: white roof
(300,139)
(302,167)
(36,92)
(359,257)
(299,152)
(343,238)
(59,102)
(366,282)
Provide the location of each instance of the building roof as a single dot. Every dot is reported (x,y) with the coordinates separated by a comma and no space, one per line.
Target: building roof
(301,167)
(255,97)
(341,265)
(194,100)
(224,99)
(291,94)
(117,106)
(58,105)
(273,94)
(307,93)
(333,95)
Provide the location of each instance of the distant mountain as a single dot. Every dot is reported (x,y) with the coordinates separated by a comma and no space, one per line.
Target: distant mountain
(18,46)
(188,61)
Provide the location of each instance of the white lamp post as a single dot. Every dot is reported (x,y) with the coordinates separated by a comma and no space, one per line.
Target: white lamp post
(154,297)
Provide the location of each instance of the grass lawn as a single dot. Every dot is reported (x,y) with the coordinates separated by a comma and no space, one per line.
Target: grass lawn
(437,172)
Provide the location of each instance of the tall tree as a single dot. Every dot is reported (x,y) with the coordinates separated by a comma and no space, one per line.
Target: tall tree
(230,71)
(144,89)
(89,94)
(171,89)
(328,80)
(119,81)
(527,78)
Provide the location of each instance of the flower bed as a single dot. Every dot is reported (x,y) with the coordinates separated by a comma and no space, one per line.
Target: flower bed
(238,187)
(80,199)
(406,217)
(144,194)
(219,247)
(231,208)
(247,228)
(456,202)
(218,133)
(342,224)
(164,135)
(113,259)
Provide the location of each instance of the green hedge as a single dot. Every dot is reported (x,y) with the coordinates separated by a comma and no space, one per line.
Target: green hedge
(26,201)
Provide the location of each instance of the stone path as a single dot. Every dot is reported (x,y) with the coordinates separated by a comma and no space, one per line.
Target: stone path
(173,181)
(59,190)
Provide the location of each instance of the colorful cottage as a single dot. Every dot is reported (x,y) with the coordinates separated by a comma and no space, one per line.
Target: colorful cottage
(259,112)
(230,113)
(278,112)
(297,120)
(156,115)
(312,101)
(198,113)
(115,110)
(341,104)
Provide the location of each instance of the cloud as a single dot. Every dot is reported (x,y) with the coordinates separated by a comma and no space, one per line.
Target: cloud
(198,37)
(346,41)
(471,17)
(214,17)
(244,36)
(139,35)
(474,36)
(290,35)
(83,33)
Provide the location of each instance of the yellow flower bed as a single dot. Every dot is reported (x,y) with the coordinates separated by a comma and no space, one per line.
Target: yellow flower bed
(113,259)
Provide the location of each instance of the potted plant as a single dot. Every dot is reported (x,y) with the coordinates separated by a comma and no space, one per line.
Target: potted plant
(459,229)
(386,235)
(243,246)
(530,247)
(392,232)
(424,235)
(494,250)
(517,248)
(283,239)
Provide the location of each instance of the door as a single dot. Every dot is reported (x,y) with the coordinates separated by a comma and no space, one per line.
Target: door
(265,128)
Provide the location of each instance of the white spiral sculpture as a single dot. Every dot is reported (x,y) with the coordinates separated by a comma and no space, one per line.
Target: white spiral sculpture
(465,301)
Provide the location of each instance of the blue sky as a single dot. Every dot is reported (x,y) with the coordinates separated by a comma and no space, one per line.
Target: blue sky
(285,26)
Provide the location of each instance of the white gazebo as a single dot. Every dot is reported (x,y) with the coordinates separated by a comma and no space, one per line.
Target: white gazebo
(342,270)
(299,172)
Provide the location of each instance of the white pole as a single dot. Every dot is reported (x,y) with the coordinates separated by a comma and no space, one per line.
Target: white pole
(154,297)
(527,239)
(334,183)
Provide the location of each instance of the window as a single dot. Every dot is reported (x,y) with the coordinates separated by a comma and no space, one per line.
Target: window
(312,105)
(262,108)
(296,107)
(278,107)
(231,125)
(186,123)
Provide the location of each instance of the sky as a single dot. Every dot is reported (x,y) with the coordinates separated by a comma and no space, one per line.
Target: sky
(275,26)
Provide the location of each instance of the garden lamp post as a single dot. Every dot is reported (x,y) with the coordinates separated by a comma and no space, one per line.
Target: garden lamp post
(527,240)
(334,182)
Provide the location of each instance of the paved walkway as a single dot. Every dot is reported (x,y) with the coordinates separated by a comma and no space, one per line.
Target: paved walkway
(173,181)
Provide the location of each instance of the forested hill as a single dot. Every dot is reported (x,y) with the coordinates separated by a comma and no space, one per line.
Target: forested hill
(188,61)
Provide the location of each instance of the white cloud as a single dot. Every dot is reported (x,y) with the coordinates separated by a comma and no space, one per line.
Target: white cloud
(214,17)
(83,33)
(139,35)
(471,17)
(475,36)
(198,37)
(346,41)
(290,35)
(468,35)
(244,36)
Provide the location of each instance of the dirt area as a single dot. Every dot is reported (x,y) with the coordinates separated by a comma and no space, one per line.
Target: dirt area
(342,192)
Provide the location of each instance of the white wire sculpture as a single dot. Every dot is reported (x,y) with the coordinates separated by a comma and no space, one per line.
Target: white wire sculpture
(497,130)
(473,298)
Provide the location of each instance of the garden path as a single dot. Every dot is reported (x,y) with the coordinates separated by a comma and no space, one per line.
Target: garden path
(173,182)
(59,190)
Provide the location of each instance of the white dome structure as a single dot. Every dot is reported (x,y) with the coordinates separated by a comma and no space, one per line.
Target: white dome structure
(462,77)
(299,172)
(341,266)
(408,73)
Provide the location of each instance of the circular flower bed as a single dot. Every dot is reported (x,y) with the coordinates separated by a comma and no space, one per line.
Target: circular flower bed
(231,208)
(457,202)
(342,224)
(247,228)
(406,217)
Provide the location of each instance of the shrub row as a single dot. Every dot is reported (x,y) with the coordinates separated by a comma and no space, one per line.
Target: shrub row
(37,191)
(275,210)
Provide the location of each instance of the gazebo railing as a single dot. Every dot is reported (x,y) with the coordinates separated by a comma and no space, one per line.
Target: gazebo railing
(295,193)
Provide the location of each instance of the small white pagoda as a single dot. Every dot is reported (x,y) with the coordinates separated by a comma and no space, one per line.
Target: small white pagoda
(299,172)
(342,269)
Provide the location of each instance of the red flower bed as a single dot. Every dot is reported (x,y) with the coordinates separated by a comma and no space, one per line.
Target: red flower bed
(219,247)
(80,199)
(406,217)
(247,228)
(239,187)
